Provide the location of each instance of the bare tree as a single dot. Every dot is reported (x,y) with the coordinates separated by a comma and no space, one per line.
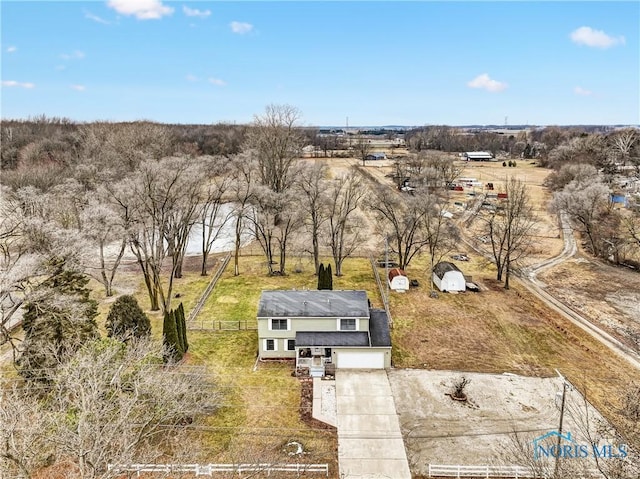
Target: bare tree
(403,219)
(273,218)
(587,204)
(362,147)
(623,142)
(101,225)
(213,216)
(34,250)
(26,444)
(242,194)
(510,228)
(442,234)
(159,205)
(275,138)
(111,403)
(344,223)
(580,172)
(312,184)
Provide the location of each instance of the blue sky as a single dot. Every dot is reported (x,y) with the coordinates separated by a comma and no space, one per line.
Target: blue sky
(377,63)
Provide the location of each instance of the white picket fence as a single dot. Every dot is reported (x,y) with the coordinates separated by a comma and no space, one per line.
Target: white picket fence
(450,470)
(210,469)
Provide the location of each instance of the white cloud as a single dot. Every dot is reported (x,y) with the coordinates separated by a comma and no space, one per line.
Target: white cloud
(77,55)
(194,12)
(595,38)
(582,91)
(78,87)
(486,83)
(13,83)
(192,78)
(141,9)
(11,49)
(96,18)
(217,81)
(241,27)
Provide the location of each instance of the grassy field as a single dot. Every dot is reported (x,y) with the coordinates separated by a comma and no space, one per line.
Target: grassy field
(260,410)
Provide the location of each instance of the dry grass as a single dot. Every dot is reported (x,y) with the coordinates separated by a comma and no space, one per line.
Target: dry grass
(260,411)
(500,330)
(614,304)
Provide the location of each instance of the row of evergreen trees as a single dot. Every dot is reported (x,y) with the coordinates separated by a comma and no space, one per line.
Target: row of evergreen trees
(174,333)
(325,277)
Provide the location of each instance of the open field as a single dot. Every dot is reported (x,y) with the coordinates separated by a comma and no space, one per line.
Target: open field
(439,430)
(499,331)
(609,296)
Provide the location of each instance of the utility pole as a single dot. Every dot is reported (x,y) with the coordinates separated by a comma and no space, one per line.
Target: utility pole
(564,395)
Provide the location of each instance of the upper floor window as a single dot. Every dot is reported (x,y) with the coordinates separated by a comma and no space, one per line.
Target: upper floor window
(279,324)
(348,324)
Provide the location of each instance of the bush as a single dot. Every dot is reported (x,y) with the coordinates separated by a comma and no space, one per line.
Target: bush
(126,320)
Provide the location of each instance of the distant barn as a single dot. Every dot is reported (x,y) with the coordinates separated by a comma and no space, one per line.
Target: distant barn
(376,156)
(447,277)
(398,280)
(478,156)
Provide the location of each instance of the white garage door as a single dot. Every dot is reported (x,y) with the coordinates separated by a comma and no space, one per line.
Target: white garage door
(360,360)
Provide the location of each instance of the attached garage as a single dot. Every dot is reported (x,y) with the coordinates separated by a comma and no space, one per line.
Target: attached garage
(360,359)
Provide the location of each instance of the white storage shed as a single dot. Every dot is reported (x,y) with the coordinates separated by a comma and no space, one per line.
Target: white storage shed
(447,277)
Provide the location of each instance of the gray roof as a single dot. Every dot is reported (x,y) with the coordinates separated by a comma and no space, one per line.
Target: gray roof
(379,328)
(332,338)
(313,304)
(443,267)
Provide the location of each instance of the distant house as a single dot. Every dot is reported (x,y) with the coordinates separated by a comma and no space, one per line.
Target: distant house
(323,330)
(398,280)
(478,156)
(376,156)
(447,277)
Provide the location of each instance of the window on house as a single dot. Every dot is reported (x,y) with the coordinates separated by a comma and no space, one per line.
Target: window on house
(279,325)
(291,344)
(348,324)
(270,345)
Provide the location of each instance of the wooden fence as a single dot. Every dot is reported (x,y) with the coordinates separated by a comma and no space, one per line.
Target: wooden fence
(221,325)
(196,309)
(383,289)
(210,469)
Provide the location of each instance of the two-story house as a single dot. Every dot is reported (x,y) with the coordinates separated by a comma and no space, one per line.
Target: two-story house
(334,329)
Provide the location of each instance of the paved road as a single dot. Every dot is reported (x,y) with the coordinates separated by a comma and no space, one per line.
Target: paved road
(370,442)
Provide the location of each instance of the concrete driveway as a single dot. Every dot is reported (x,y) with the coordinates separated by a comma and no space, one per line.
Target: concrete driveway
(369,439)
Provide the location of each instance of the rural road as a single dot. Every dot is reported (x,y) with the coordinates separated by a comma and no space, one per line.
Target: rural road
(528,277)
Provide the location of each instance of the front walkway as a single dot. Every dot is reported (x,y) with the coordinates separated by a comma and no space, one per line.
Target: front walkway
(369,439)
